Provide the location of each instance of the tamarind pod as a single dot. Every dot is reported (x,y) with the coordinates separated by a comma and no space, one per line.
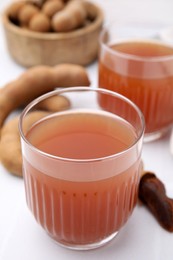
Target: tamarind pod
(91,11)
(152,193)
(71,17)
(14,9)
(38,3)
(51,7)
(10,147)
(26,12)
(54,104)
(39,23)
(37,81)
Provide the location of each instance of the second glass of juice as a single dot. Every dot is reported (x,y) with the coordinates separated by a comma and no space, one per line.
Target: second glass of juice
(81,165)
(134,62)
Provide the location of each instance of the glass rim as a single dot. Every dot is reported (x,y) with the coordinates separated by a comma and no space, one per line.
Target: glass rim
(72,89)
(133,56)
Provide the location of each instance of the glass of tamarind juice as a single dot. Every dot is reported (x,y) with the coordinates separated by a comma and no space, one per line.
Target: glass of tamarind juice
(134,62)
(82,164)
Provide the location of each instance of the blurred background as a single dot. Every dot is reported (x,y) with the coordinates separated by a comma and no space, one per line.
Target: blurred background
(151,10)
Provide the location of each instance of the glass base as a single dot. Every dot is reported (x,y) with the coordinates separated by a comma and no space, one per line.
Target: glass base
(149,137)
(82,247)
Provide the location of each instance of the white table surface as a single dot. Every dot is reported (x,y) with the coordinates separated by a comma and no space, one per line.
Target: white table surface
(21,238)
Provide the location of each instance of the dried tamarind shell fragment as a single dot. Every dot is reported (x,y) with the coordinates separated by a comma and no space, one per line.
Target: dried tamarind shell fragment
(152,193)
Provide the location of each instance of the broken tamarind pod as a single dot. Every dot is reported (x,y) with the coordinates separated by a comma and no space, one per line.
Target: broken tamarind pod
(71,17)
(10,147)
(37,81)
(153,194)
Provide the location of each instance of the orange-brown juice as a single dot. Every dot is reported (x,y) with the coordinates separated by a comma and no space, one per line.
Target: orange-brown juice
(143,72)
(96,198)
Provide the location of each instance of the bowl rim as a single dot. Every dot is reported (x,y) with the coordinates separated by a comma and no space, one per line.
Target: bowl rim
(53,35)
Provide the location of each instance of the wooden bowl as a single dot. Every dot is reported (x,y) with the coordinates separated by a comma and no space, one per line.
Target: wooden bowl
(30,48)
